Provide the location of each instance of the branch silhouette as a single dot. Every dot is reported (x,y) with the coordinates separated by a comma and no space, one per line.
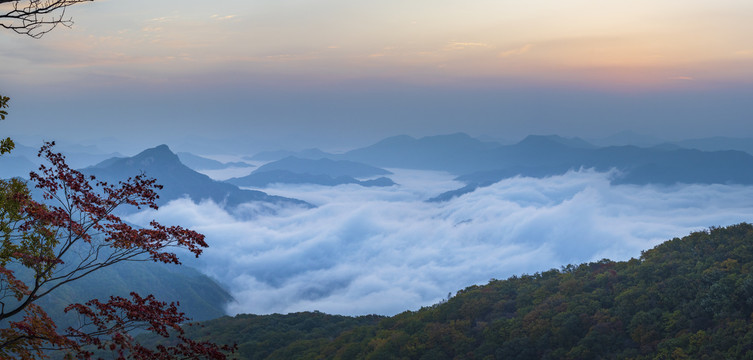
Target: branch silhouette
(35,17)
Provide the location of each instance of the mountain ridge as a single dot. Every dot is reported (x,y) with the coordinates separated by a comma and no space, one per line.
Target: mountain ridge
(179,180)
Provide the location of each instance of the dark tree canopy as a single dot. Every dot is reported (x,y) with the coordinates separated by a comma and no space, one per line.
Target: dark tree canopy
(35,17)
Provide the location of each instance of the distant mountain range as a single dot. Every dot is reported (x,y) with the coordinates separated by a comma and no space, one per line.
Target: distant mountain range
(456,153)
(328,172)
(197,162)
(281,154)
(717,143)
(323,166)
(548,155)
(624,138)
(265,178)
(12,165)
(179,180)
(483,163)
(477,163)
(23,159)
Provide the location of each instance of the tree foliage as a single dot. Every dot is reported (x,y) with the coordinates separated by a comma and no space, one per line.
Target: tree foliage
(275,336)
(688,298)
(35,17)
(74,231)
(6,145)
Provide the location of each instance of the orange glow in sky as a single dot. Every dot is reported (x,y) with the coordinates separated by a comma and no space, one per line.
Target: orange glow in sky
(641,42)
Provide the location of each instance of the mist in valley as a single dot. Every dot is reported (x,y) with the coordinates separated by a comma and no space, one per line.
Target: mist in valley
(386,250)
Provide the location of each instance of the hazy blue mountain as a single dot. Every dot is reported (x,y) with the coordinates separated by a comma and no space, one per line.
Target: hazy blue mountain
(449,195)
(458,153)
(28,152)
(717,143)
(12,165)
(197,162)
(323,166)
(328,172)
(179,180)
(81,160)
(667,147)
(265,178)
(624,138)
(200,297)
(692,166)
(281,154)
(541,156)
(574,142)
(462,154)
(76,156)
(23,159)
(536,156)
(482,163)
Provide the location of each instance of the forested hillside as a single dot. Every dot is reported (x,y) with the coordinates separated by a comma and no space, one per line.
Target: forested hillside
(686,298)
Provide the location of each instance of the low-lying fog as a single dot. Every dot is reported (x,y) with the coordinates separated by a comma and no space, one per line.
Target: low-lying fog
(386,250)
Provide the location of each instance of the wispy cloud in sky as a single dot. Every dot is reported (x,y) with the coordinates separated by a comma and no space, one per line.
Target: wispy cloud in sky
(652,35)
(514,52)
(223,17)
(459,45)
(385,250)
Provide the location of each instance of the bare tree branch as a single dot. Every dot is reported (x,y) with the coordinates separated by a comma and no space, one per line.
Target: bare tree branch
(35,17)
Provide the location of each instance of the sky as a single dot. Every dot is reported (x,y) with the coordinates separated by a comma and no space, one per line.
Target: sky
(386,250)
(336,74)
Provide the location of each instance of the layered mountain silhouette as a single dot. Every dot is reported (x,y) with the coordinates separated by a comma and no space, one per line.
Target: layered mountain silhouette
(12,165)
(456,153)
(281,154)
(323,166)
(539,156)
(197,162)
(483,163)
(476,163)
(266,178)
(23,159)
(328,172)
(180,181)
(717,143)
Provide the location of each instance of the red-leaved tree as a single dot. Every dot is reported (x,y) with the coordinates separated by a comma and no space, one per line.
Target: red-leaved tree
(70,233)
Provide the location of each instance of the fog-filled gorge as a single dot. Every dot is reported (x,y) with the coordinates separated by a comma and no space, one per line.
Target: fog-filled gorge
(386,250)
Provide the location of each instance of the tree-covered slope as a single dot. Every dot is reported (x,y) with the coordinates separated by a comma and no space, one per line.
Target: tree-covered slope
(686,298)
(276,336)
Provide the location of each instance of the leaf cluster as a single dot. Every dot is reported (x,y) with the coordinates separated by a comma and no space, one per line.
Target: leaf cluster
(6,145)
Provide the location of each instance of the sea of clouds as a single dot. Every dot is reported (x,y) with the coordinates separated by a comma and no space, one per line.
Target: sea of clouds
(386,250)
